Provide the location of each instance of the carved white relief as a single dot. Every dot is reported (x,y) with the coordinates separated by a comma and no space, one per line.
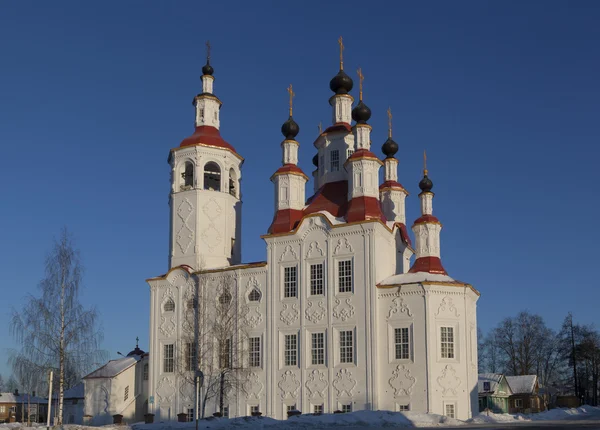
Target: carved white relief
(253,316)
(343,246)
(252,284)
(165,390)
(185,235)
(212,209)
(341,311)
(314,250)
(288,251)
(289,314)
(446,306)
(344,383)
(448,380)
(402,381)
(211,237)
(167,295)
(316,383)
(253,386)
(398,307)
(423,249)
(288,385)
(167,326)
(315,314)
(186,392)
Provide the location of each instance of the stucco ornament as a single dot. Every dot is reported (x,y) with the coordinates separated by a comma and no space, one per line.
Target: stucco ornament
(211,237)
(402,382)
(288,253)
(316,383)
(253,386)
(289,314)
(212,209)
(344,383)
(398,307)
(343,246)
(167,326)
(165,390)
(253,316)
(185,235)
(251,285)
(314,250)
(447,307)
(186,391)
(448,380)
(288,385)
(341,311)
(315,314)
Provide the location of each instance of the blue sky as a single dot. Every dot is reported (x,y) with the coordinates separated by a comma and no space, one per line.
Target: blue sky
(503,95)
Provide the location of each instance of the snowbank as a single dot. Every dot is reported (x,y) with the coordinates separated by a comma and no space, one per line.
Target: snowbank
(581,413)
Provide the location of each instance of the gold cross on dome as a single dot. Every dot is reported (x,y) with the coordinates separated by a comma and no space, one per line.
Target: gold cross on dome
(389,114)
(341,43)
(208,50)
(425,163)
(361,78)
(292,94)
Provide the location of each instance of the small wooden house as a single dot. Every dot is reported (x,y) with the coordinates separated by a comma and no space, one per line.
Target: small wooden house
(525,397)
(494,393)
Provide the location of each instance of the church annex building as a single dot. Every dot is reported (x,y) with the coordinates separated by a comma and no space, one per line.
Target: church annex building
(346,313)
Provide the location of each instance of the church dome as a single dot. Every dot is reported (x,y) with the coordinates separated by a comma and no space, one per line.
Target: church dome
(341,83)
(389,148)
(361,113)
(425,185)
(207,69)
(136,351)
(290,129)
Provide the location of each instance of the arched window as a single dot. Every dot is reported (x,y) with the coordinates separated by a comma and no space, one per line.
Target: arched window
(232,182)
(169,306)
(254,295)
(225,298)
(187,175)
(212,177)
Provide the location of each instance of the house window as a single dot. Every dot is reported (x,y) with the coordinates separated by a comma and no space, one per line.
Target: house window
(225,411)
(289,282)
(316,279)
(146,372)
(169,306)
(225,354)
(518,403)
(212,177)
(190,415)
(318,409)
(291,350)
(168,358)
(254,352)
(450,410)
(402,341)
(345,276)
(2,409)
(349,152)
(318,348)
(347,407)
(346,347)
(254,409)
(126,395)
(486,386)
(335,160)
(447,342)
(254,295)
(291,407)
(403,408)
(190,356)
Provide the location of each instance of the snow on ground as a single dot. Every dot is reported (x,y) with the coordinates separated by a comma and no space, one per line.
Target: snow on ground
(354,419)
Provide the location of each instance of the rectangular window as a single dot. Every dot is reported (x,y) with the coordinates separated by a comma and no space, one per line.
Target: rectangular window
(2,409)
(403,408)
(190,356)
(290,279)
(190,415)
(225,354)
(518,403)
(335,160)
(486,386)
(402,341)
(450,411)
(225,411)
(347,407)
(318,409)
(254,351)
(291,408)
(316,280)
(146,372)
(126,395)
(318,348)
(346,347)
(254,409)
(447,342)
(168,359)
(291,350)
(345,276)
(349,152)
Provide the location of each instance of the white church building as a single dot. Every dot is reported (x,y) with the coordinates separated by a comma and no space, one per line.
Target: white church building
(344,314)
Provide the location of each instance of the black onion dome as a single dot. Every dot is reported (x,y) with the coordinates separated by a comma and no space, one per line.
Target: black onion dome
(136,351)
(361,113)
(290,129)
(207,69)
(316,160)
(389,148)
(341,83)
(425,185)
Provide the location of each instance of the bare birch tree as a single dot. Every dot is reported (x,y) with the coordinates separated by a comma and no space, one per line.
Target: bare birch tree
(54,330)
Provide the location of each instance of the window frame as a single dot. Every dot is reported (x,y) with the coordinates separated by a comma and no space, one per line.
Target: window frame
(251,360)
(441,343)
(518,403)
(284,283)
(346,407)
(320,406)
(285,350)
(146,372)
(338,276)
(168,360)
(454,411)
(334,162)
(190,356)
(311,349)
(343,348)
(313,292)
(408,343)
(169,302)
(126,393)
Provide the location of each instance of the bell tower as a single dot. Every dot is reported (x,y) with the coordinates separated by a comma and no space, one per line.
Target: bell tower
(205,198)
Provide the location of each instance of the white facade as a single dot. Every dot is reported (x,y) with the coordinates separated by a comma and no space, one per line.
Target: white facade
(341,318)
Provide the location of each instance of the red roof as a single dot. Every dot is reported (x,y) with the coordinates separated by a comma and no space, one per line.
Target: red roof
(404,234)
(429,265)
(391,184)
(207,135)
(331,197)
(427,218)
(338,126)
(285,220)
(289,168)
(364,208)
(362,153)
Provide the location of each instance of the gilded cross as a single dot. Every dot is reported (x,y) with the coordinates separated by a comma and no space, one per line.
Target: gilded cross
(361,78)
(341,43)
(389,114)
(292,94)
(207,51)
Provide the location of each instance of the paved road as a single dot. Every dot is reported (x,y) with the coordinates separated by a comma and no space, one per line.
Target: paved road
(539,425)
